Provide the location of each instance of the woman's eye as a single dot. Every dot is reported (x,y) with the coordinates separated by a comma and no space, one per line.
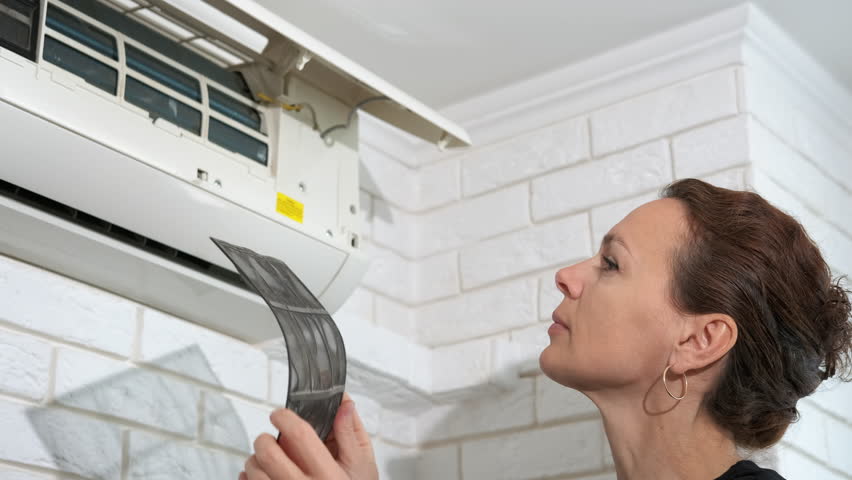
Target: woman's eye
(609,264)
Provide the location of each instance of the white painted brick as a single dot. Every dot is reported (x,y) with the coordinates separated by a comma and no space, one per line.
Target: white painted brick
(396,229)
(558,402)
(99,384)
(152,457)
(525,156)
(438,184)
(421,372)
(473,219)
(461,366)
(394,356)
(54,305)
(560,450)
(234,423)
(369,411)
(836,397)
(792,464)
(828,146)
(510,360)
(662,112)
(8,473)
(835,245)
(441,463)
(436,277)
(535,335)
(395,462)
(385,177)
(390,274)
(483,414)
(59,440)
(398,427)
(786,111)
(810,433)
(24,365)
(715,147)
(359,305)
(279,376)
(187,349)
(545,245)
(618,176)
(549,297)
(389,391)
(839,438)
(732,179)
(476,314)
(607,216)
(395,316)
(609,460)
(379,134)
(796,174)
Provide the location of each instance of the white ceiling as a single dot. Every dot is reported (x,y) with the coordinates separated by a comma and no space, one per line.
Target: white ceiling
(445,51)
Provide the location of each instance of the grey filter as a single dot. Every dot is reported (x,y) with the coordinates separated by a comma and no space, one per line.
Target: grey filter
(315,348)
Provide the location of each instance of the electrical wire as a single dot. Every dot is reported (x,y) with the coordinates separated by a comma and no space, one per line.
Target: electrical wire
(344,126)
(292,107)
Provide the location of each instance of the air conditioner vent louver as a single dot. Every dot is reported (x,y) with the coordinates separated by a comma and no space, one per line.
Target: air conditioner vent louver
(116,232)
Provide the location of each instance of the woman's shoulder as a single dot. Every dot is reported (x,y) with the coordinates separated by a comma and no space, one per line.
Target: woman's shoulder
(748,470)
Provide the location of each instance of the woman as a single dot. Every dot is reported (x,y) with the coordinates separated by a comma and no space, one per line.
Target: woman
(705,316)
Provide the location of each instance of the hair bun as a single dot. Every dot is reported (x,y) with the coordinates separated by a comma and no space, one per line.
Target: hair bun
(837,332)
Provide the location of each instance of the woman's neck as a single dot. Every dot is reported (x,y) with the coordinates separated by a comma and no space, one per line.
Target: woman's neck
(653,437)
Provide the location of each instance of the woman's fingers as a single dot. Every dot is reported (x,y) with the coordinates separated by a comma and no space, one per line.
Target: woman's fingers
(270,458)
(355,452)
(300,442)
(253,470)
(331,445)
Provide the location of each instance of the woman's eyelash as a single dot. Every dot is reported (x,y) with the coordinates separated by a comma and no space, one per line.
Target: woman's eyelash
(609,264)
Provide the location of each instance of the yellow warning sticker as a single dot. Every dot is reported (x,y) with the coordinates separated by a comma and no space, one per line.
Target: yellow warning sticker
(290,208)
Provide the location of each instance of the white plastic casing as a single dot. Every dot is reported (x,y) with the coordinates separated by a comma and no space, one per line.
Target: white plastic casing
(66,140)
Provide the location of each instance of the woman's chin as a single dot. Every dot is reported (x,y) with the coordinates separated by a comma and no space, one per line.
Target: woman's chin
(548,362)
(557,367)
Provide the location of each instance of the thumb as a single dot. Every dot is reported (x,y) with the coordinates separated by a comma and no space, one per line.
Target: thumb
(353,441)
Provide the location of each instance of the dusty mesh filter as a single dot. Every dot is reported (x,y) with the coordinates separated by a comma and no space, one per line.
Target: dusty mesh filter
(315,349)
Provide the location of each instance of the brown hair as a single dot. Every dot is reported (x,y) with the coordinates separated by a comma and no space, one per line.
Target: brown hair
(749,260)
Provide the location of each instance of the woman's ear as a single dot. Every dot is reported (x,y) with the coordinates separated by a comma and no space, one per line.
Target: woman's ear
(705,339)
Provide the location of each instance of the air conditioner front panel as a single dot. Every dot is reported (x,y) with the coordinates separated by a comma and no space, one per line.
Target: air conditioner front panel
(62,165)
(49,242)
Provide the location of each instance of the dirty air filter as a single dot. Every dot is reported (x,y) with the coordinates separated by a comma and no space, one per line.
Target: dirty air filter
(315,348)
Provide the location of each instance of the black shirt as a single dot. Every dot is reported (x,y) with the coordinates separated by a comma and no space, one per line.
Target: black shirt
(747,470)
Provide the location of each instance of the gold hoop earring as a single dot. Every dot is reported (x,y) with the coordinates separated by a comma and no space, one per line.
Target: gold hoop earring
(666,385)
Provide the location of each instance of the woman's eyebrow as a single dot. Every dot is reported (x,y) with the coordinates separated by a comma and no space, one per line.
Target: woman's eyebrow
(612,237)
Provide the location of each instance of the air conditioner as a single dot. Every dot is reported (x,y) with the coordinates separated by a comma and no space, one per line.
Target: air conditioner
(135,130)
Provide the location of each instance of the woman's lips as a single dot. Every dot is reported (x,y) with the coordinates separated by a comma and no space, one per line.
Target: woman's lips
(558,326)
(557,329)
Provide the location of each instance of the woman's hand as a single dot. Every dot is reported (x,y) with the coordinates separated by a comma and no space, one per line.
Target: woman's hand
(300,455)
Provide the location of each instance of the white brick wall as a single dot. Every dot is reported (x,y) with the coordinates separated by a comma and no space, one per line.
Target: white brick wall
(478,313)
(525,156)
(644,168)
(665,111)
(456,302)
(543,452)
(541,246)
(26,365)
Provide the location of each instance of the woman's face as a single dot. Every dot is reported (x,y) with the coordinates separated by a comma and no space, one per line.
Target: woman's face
(615,327)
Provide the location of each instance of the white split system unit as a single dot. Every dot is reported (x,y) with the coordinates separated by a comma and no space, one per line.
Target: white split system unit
(121,158)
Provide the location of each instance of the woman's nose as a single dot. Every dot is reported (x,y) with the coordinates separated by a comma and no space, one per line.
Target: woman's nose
(569,281)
